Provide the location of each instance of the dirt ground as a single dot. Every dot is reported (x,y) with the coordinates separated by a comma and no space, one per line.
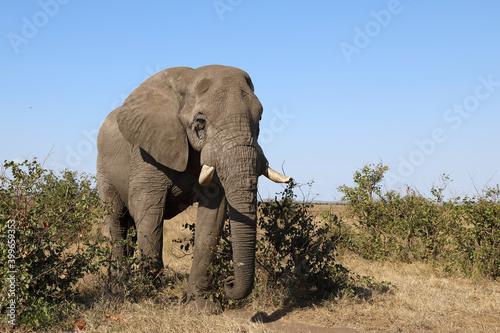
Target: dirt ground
(276,323)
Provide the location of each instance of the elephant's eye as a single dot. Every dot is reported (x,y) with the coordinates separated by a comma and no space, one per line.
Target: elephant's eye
(199,126)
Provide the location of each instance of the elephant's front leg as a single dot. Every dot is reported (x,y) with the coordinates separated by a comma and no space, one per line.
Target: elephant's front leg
(210,221)
(147,194)
(150,235)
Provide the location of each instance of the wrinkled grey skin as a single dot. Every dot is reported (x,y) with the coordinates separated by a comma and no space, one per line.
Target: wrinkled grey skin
(150,153)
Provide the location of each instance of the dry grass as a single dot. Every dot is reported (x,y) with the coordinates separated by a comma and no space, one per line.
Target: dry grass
(149,316)
(426,300)
(173,229)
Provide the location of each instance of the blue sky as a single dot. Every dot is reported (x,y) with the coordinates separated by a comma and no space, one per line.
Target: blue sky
(415,84)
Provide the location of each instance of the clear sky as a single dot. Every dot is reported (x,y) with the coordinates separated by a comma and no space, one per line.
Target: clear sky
(415,84)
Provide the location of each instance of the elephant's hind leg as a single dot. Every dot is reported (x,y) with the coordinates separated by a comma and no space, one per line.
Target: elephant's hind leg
(127,223)
(119,224)
(117,220)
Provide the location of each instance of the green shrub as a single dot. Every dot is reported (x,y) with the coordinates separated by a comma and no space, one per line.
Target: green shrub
(458,234)
(475,226)
(296,252)
(392,225)
(48,240)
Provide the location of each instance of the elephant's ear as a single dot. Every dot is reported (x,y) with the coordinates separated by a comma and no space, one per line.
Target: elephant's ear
(149,118)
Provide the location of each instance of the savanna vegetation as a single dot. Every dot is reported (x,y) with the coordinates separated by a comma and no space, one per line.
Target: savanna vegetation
(384,261)
(458,234)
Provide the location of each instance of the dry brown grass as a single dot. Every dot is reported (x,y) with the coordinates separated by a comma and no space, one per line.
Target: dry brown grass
(426,300)
(173,229)
(149,316)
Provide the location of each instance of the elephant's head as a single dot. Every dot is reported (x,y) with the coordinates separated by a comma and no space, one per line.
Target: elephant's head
(212,109)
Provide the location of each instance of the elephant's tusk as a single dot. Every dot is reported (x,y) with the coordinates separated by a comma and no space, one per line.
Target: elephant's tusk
(276,176)
(206,174)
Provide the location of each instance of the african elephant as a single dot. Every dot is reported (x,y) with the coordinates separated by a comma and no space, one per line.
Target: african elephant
(183,136)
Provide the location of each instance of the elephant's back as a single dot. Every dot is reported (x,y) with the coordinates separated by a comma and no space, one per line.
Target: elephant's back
(113,156)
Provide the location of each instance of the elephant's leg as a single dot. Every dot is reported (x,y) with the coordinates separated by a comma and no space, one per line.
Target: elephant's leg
(147,193)
(117,219)
(127,221)
(210,221)
(148,217)
(118,228)
(150,238)
(119,224)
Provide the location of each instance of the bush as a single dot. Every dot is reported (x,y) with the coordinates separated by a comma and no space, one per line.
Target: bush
(459,234)
(475,245)
(297,252)
(48,241)
(392,225)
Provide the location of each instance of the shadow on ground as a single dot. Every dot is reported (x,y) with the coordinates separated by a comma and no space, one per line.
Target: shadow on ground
(276,321)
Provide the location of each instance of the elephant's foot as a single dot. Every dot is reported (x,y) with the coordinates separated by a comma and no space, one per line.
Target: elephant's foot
(203,303)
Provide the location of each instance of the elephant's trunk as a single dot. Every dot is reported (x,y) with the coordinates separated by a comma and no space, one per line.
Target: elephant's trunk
(239,179)
(243,234)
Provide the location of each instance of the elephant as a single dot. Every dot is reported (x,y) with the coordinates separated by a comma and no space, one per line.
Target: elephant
(183,136)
